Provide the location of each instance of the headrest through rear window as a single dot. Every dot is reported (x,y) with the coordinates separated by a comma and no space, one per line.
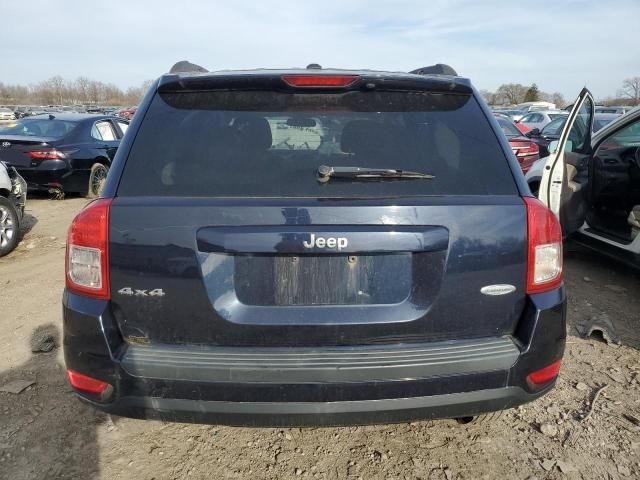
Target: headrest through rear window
(255,131)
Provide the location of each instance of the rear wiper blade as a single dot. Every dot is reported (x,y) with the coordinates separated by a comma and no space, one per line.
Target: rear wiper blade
(325,173)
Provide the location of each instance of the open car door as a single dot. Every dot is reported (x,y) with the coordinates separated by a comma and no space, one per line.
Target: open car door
(565,177)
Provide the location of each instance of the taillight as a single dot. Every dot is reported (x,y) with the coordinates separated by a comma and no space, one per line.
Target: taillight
(544,265)
(525,149)
(86,384)
(304,80)
(87,265)
(51,154)
(544,375)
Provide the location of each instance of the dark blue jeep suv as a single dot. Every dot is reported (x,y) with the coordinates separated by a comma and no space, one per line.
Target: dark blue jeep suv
(313,247)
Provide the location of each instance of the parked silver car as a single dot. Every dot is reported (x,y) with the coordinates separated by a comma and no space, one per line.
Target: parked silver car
(540,119)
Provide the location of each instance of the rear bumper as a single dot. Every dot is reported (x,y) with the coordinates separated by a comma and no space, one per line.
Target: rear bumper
(55,173)
(353,412)
(325,386)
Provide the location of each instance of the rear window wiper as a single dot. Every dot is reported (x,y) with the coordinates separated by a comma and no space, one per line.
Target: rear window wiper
(325,173)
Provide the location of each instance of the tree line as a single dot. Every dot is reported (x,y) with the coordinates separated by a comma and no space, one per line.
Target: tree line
(60,91)
(515,93)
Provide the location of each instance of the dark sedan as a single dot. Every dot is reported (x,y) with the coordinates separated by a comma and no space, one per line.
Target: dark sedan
(67,151)
(552,130)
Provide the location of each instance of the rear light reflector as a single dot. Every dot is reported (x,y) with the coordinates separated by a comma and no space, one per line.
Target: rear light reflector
(544,264)
(87,265)
(86,384)
(526,149)
(544,375)
(304,80)
(52,154)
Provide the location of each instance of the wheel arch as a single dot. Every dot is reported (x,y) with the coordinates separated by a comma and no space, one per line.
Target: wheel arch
(102,160)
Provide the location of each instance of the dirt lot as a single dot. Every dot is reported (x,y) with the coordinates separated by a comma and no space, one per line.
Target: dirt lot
(45,433)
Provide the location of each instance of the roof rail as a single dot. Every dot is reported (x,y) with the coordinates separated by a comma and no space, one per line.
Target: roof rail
(183,66)
(437,69)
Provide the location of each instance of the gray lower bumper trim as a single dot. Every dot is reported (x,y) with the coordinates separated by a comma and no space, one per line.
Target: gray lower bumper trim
(508,395)
(320,365)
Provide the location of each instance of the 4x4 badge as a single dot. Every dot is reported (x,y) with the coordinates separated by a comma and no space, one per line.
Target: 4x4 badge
(6,144)
(134,292)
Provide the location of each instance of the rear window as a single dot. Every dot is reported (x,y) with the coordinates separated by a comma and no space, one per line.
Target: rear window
(270,144)
(508,128)
(38,127)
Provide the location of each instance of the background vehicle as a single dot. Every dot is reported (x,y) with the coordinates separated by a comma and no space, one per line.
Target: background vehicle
(592,183)
(68,151)
(552,130)
(6,114)
(127,113)
(375,258)
(521,128)
(540,119)
(13,198)
(20,110)
(525,150)
(515,115)
(33,110)
(621,110)
(535,106)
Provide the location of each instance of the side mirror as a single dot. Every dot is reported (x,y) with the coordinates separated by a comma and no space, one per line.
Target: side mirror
(535,132)
(553,146)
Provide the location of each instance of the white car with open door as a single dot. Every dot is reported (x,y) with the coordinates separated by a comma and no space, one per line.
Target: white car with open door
(592,181)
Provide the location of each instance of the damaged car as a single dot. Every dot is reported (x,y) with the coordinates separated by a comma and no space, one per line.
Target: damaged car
(13,197)
(591,181)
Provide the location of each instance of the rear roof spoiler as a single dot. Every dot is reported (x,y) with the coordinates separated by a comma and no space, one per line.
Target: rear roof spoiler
(437,69)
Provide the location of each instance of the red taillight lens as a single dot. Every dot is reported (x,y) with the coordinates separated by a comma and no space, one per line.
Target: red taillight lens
(87,265)
(524,149)
(544,375)
(86,384)
(544,265)
(303,80)
(52,154)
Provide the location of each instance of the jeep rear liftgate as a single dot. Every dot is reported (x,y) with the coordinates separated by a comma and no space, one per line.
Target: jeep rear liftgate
(282,214)
(250,280)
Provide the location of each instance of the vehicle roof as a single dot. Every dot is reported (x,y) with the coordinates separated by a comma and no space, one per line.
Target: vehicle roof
(202,77)
(605,116)
(628,117)
(553,112)
(71,116)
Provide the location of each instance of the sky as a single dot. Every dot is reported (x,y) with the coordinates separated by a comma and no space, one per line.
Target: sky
(560,45)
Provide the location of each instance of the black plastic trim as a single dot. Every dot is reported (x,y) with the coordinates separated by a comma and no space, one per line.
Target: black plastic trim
(315,365)
(327,413)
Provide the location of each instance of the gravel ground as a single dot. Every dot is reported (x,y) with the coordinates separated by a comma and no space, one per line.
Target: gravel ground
(45,433)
